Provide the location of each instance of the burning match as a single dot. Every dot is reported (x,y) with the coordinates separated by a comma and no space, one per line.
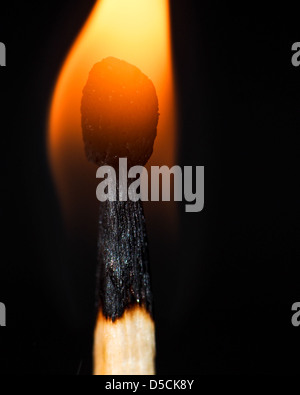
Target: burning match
(119,113)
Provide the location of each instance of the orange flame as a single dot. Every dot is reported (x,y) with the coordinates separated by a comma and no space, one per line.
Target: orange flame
(137,32)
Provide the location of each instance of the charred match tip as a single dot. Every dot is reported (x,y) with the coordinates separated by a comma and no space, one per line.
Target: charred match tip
(119,111)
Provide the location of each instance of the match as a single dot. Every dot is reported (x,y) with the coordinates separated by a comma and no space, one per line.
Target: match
(119,113)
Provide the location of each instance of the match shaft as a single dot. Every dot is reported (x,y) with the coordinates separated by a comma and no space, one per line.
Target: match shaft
(119,116)
(124,334)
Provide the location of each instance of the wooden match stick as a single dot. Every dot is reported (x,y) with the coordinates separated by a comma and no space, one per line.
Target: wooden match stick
(119,119)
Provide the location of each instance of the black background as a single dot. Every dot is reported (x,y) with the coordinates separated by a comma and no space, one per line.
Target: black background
(224,292)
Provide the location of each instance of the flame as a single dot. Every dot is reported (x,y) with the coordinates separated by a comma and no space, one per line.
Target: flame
(137,31)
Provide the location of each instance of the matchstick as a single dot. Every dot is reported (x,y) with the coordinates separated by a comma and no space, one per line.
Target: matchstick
(119,111)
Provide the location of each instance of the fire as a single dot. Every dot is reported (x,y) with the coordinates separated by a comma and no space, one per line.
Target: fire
(132,30)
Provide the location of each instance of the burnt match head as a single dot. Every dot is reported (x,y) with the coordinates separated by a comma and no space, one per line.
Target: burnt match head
(119,114)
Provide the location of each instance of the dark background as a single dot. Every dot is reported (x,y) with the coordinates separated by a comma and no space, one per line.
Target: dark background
(224,292)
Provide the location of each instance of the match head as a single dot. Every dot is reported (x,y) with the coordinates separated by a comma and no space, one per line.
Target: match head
(119,114)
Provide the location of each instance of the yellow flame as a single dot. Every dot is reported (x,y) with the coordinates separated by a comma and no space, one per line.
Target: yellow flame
(137,31)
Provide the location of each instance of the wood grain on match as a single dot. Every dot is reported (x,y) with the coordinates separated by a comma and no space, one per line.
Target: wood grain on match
(125,346)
